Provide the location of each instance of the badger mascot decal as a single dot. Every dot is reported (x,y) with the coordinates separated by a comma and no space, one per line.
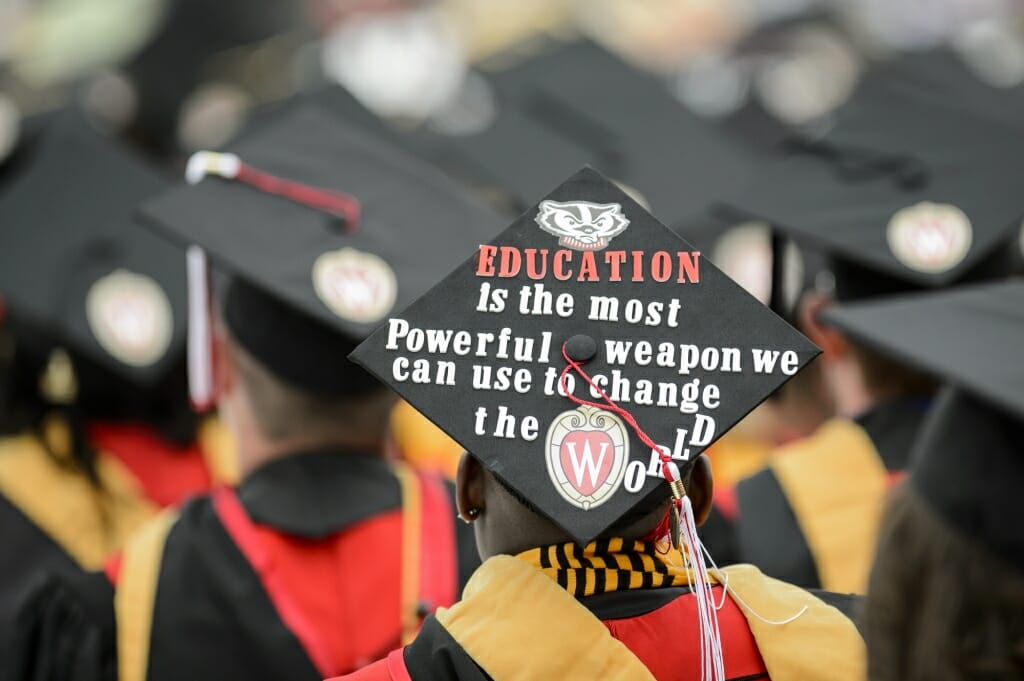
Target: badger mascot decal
(582,225)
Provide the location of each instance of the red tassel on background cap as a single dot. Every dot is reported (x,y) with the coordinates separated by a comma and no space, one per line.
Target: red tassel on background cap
(231,167)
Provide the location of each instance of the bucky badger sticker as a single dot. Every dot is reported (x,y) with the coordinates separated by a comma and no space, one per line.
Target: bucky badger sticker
(582,225)
(587,452)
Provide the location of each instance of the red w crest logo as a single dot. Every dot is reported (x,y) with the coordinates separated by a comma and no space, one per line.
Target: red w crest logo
(587,452)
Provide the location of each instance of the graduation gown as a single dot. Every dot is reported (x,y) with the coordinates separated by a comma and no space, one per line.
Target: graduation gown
(297,573)
(810,517)
(54,522)
(515,622)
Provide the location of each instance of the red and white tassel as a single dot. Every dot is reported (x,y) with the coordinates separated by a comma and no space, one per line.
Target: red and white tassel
(685,537)
(712,661)
(230,167)
(683,528)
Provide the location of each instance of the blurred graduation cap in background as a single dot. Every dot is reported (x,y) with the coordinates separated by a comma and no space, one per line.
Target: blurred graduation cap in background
(77,270)
(323,231)
(914,85)
(679,165)
(634,130)
(969,461)
(189,48)
(483,163)
(571,106)
(901,193)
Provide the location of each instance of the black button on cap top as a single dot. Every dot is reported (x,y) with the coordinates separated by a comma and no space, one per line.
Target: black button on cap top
(581,348)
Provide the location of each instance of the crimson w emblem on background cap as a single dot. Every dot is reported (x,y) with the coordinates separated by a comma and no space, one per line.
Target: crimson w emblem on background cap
(587,452)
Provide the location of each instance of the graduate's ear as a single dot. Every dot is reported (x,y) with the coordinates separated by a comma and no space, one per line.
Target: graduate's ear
(469,488)
(701,489)
(831,342)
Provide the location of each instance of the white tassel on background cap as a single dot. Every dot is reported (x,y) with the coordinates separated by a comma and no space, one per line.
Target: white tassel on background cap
(203,163)
(200,333)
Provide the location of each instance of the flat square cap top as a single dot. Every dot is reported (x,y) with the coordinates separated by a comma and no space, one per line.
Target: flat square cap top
(971,336)
(916,179)
(76,265)
(670,340)
(347,273)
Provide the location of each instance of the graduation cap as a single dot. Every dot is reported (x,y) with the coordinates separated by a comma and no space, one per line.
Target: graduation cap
(969,461)
(183,50)
(913,87)
(768,265)
(897,202)
(481,161)
(585,354)
(579,105)
(75,267)
(635,131)
(324,231)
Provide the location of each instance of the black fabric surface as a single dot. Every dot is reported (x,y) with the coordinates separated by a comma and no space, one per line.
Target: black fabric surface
(310,355)
(969,467)
(767,532)
(28,554)
(718,534)
(893,427)
(850,605)
(64,632)
(629,125)
(838,192)
(436,656)
(618,605)
(315,494)
(212,618)
(67,217)
(971,336)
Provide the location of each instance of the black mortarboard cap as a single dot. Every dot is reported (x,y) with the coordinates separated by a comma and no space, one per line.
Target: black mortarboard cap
(325,231)
(182,50)
(516,155)
(479,161)
(922,90)
(673,341)
(634,130)
(969,461)
(770,266)
(907,192)
(75,267)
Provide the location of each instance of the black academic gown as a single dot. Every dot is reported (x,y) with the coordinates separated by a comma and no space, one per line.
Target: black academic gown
(27,555)
(767,533)
(213,618)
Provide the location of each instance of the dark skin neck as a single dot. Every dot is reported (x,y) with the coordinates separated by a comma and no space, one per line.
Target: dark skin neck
(504,526)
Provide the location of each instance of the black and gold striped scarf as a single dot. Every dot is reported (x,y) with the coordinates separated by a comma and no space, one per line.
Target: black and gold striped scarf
(608,565)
